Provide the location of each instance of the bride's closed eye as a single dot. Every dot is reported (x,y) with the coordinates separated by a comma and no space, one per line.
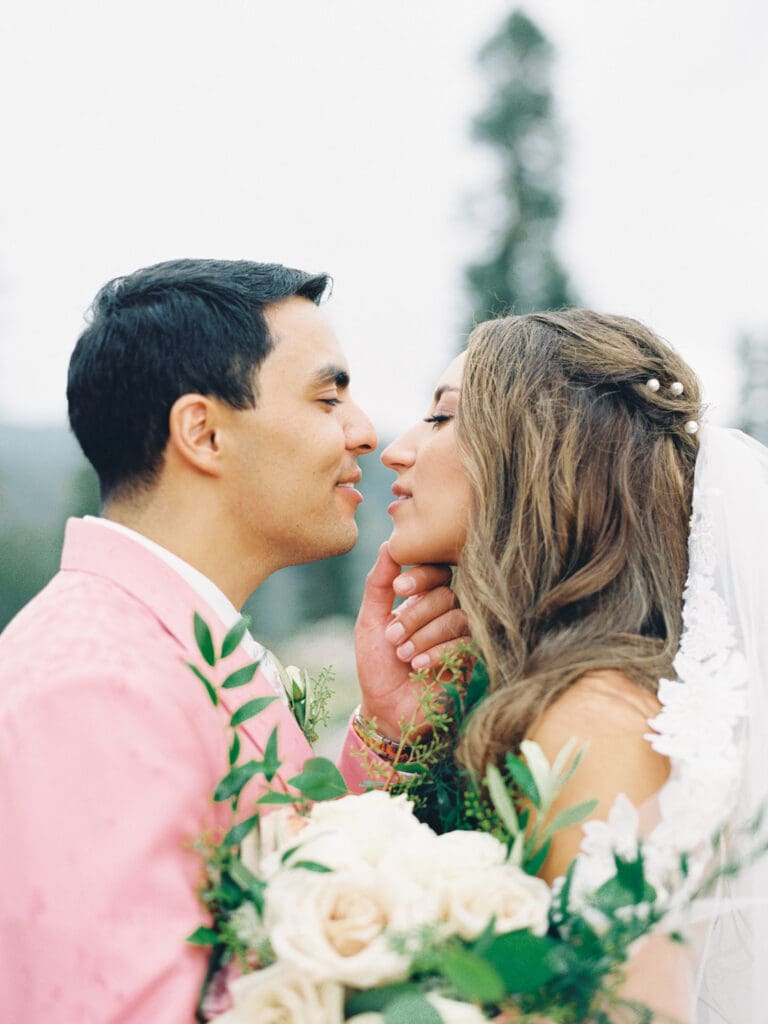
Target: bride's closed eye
(438,418)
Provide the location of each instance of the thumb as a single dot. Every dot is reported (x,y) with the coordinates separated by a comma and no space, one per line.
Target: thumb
(378,596)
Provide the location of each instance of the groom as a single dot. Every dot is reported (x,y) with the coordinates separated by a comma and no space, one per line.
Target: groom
(213,400)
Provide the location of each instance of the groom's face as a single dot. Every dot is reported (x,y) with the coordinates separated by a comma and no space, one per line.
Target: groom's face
(292,473)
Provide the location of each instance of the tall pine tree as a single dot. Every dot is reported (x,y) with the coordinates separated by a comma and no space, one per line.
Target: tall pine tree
(521,271)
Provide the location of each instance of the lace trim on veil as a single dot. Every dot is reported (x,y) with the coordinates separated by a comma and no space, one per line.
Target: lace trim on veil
(700,729)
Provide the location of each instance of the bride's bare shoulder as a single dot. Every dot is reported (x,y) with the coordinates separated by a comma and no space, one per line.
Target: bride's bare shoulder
(609,713)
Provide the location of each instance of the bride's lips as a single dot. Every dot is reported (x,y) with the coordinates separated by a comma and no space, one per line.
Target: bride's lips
(347,485)
(401,496)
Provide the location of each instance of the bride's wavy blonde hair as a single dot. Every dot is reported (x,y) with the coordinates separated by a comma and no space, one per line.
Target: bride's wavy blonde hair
(576,552)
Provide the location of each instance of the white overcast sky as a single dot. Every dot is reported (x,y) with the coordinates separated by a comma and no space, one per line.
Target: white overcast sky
(334,135)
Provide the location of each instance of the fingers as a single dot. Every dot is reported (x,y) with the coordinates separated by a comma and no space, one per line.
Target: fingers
(378,596)
(433,658)
(421,578)
(425,634)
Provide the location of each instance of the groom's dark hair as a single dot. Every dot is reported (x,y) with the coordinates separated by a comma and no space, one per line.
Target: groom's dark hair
(162,332)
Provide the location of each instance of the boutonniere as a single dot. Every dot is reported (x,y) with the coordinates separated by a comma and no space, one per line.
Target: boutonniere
(308,696)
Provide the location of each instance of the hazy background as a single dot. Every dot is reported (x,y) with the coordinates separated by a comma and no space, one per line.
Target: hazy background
(335,135)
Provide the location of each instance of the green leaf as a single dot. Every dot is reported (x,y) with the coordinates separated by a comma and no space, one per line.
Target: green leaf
(472,976)
(373,1000)
(204,640)
(234,749)
(234,636)
(570,816)
(411,1008)
(250,709)
(452,692)
(234,781)
(501,800)
(203,937)
(311,865)
(247,881)
(240,676)
(521,959)
(238,832)
(320,779)
(524,779)
(533,864)
(206,683)
(276,798)
(478,686)
(271,760)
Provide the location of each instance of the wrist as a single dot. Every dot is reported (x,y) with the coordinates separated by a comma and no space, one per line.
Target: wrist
(388,743)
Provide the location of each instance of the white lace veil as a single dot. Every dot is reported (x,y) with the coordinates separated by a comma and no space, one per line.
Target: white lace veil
(725,646)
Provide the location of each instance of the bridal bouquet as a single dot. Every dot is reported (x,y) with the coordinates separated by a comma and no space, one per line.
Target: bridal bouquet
(339,908)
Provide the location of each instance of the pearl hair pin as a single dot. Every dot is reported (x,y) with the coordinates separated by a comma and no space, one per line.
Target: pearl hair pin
(691,427)
(652,384)
(676,388)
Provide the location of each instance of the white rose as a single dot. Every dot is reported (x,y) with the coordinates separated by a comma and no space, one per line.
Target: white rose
(505,892)
(334,925)
(281,995)
(453,1012)
(371,827)
(277,831)
(455,854)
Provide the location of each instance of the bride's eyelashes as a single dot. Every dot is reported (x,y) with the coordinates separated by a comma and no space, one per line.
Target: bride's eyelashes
(438,418)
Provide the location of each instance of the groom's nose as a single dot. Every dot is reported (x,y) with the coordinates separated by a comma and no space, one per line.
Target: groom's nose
(359,431)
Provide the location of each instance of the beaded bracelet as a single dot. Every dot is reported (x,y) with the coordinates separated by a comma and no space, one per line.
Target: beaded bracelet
(387,749)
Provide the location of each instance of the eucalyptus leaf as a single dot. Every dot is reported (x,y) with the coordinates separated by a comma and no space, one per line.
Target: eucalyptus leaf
(234,636)
(206,683)
(521,959)
(234,749)
(204,640)
(249,710)
(472,976)
(501,799)
(241,676)
(411,1008)
(238,832)
(570,816)
(234,781)
(320,779)
(373,1000)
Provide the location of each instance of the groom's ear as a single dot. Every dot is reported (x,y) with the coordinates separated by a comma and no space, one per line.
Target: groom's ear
(193,423)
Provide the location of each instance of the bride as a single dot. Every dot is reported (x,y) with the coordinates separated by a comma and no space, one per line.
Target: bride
(562,468)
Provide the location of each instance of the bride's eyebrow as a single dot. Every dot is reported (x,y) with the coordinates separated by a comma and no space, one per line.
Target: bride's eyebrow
(442,390)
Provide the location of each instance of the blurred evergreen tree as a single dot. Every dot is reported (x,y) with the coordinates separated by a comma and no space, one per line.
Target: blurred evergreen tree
(521,271)
(84,492)
(753,404)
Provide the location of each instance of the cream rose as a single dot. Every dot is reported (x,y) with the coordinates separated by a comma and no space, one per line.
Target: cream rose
(334,925)
(516,900)
(281,995)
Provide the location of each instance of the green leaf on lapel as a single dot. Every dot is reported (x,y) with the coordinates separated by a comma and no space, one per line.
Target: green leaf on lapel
(240,676)
(277,798)
(311,865)
(204,640)
(234,636)
(234,781)
(249,710)
(320,779)
(234,750)
(206,683)
(238,832)
(203,937)
(272,761)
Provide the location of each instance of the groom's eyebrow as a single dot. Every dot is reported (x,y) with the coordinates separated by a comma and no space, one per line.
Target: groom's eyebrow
(331,374)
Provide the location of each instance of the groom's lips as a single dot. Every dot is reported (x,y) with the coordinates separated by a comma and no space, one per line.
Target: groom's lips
(401,495)
(347,484)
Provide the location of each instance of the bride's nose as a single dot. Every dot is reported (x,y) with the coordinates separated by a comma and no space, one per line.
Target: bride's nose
(401,453)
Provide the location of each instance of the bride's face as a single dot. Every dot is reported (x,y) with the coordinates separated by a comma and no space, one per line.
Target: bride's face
(429,515)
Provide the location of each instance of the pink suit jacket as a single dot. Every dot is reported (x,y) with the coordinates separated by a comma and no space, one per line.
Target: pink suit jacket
(109,753)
